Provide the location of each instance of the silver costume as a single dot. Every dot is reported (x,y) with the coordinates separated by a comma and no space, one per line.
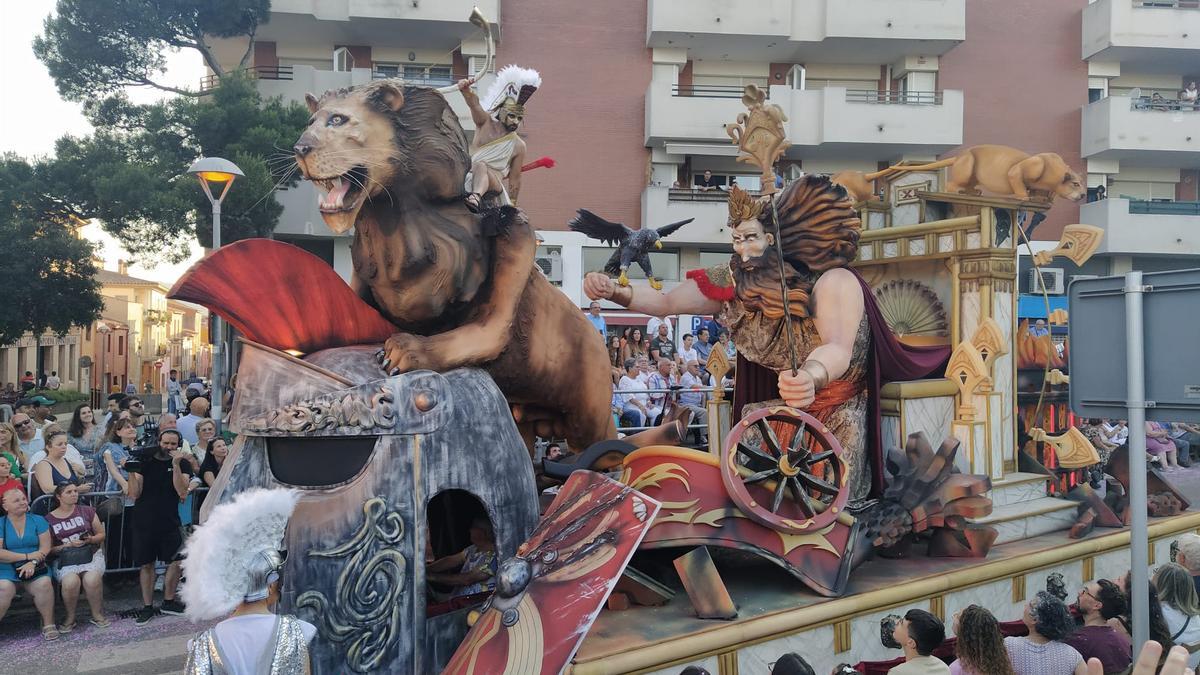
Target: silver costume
(285,654)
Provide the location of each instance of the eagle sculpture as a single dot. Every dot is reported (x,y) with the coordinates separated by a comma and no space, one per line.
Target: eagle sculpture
(632,245)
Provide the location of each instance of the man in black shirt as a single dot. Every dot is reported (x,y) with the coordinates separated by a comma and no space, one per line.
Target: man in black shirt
(707,182)
(157,487)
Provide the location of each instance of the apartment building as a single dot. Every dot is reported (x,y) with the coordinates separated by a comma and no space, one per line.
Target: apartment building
(636,94)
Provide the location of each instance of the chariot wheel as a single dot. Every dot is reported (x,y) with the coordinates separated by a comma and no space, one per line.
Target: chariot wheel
(784,469)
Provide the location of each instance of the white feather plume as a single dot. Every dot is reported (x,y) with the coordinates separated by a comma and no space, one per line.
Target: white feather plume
(219,552)
(508,83)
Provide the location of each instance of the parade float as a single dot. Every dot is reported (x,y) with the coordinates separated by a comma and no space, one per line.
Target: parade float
(402,406)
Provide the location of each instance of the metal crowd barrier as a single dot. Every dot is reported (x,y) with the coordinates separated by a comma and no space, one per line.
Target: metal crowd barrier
(117,546)
(673,395)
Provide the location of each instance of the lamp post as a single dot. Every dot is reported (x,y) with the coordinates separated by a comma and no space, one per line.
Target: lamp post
(103,329)
(216,171)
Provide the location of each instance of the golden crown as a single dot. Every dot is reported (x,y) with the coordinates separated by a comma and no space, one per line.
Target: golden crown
(742,206)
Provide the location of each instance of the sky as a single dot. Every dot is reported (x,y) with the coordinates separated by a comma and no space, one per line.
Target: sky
(33,116)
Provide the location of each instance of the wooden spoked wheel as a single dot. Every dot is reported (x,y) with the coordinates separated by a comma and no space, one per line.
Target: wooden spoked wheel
(784,469)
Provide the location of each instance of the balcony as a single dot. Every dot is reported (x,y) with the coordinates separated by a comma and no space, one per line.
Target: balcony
(1146,36)
(830,122)
(829,31)
(1133,227)
(662,205)
(416,25)
(1139,132)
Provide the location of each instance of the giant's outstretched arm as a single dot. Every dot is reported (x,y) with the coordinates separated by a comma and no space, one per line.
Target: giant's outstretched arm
(685,298)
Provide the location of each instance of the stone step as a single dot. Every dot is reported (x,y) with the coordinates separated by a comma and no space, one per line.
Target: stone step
(1019,487)
(1025,519)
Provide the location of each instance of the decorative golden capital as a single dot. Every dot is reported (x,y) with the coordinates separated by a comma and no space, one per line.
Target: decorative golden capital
(759,134)
(717,365)
(969,373)
(989,341)
(1078,243)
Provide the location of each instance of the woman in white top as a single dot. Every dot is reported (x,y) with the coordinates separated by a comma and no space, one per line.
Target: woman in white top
(1180,606)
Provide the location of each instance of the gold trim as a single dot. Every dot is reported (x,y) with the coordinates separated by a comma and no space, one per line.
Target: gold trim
(1150,552)
(1089,569)
(668,451)
(1018,589)
(918,389)
(673,650)
(918,229)
(937,607)
(841,637)
(727,663)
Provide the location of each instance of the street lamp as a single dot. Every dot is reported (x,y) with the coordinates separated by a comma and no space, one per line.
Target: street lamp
(215,171)
(103,329)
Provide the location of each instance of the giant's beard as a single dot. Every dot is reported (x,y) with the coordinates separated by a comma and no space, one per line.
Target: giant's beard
(756,282)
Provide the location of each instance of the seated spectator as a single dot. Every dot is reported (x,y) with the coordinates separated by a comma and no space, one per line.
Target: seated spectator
(214,458)
(634,405)
(56,468)
(1043,651)
(76,535)
(7,480)
(114,453)
(661,379)
(73,454)
(1189,96)
(28,381)
(1185,437)
(112,408)
(694,400)
(54,381)
(1039,328)
(703,347)
(1188,556)
(1098,602)
(29,437)
(10,448)
(157,486)
(476,564)
(688,351)
(1116,431)
(1180,606)
(614,358)
(1158,444)
(1094,432)
(727,345)
(39,410)
(980,646)
(24,545)
(919,633)
(791,663)
(1157,102)
(554,452)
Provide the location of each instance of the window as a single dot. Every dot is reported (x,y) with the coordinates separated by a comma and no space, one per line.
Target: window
(385,70)
(343,60)
(714,258)
(427,73)
(120,345)
(665,263)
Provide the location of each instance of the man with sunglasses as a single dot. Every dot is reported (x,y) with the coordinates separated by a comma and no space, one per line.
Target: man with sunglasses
(1098,602)
(28,435)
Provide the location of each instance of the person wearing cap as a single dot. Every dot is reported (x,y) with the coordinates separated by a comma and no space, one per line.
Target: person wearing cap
(234,565)
(40,411)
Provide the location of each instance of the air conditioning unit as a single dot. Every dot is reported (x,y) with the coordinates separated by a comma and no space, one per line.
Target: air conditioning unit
(1051,280)
(551,266)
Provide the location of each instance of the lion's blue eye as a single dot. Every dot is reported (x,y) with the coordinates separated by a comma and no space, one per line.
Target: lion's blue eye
(337,120)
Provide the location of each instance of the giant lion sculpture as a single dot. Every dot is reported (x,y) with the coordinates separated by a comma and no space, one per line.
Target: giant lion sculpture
(461,288)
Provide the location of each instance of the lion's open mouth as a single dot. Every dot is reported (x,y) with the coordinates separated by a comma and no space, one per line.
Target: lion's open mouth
(343,193)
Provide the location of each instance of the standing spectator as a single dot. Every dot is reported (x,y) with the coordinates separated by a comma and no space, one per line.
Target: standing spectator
(714,329)
(703,348)
(597,321)
(653,324)
(174,393)
(1098,602)
(117,449)
(112,407)
(40,411)
(688,351)
(169,421)
(197,411)
(660,379)
(1189,556)
(694,400)
(554,452)
(919,633)
(130,389)
(85,436)
(24,545)
(1180,605)
(76,536)
(634,405)
(28,383)
(54,381)
(1043,651)
(1189,96)
(10,448)
(214,459)
(56,468)
(7,480)
(147,430)
(206,430)
(661,347)
(157,486)
(707,183)
(980,646)
(29,437)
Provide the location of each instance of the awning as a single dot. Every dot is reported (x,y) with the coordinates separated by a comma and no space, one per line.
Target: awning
(1033,306)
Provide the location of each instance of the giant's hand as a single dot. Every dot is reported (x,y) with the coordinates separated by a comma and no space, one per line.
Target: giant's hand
(1147,662)
(797,390)
(598,286)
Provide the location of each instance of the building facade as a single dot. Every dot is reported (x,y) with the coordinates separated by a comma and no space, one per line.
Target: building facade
(636,95)
(59,354)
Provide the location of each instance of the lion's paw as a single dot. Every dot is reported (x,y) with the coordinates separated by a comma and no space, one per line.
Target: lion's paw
(403,352)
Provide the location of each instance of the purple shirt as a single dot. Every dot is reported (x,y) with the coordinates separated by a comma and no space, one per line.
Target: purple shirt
(1109,645)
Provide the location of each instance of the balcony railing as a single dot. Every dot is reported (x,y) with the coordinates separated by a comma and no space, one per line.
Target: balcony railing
(1164,208)
(698,195)
(432,81)
(1160,103)
(712,90)
(1167,4)
(257,72)
(894,97)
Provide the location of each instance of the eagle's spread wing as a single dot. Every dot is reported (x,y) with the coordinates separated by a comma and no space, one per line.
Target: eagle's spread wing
(668,230)
(598,228)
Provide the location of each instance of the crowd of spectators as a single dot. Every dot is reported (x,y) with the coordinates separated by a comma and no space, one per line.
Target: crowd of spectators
(65,488)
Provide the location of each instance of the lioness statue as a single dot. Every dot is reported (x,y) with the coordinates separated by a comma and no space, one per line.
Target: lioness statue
(1003,171)
(461,287)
